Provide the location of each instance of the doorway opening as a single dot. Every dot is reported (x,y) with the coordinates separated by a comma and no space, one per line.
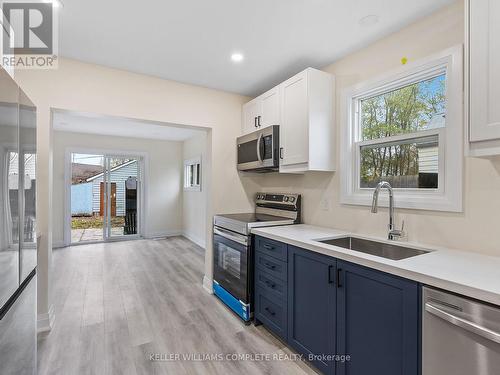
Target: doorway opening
(105,196)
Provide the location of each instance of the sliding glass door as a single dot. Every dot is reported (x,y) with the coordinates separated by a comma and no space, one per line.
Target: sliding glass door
(105,197)
(122,194)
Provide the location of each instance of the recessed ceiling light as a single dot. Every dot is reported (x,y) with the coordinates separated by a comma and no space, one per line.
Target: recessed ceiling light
(369,20)
(237,57)
(55,3)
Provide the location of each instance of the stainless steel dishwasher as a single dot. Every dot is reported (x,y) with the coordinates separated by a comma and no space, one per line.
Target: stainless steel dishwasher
(460,336)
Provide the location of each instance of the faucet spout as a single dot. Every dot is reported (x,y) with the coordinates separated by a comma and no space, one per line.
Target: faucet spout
(393,233)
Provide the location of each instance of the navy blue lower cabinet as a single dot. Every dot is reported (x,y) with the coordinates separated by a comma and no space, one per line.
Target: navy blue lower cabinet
(311,307)
(377,322)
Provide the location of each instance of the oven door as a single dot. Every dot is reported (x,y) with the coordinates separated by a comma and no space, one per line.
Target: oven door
(259,150)
(231,263)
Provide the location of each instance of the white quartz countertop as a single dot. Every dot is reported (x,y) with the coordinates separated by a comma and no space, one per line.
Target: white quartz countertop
(467,273)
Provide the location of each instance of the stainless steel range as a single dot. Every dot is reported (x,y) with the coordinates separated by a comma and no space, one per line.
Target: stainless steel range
(233,247)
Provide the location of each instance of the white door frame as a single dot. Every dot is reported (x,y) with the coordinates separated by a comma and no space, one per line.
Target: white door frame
(107,188)
(143,194)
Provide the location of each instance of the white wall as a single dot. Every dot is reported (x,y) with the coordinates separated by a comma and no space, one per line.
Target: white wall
(194,202)
(472,230)
(163,187)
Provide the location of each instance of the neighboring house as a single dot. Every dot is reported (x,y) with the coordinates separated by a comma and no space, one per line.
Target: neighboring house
(80,172)
(118,177)
(81,190)
(81,199)
(428,161)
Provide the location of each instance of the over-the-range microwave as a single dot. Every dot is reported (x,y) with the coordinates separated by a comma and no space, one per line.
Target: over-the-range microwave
(259,151)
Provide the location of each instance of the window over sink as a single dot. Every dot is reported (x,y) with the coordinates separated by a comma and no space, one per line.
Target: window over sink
(406,128)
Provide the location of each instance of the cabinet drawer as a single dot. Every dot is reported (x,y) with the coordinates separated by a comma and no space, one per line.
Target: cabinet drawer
(271,313)
(273,248)
(271,265)
(270,284)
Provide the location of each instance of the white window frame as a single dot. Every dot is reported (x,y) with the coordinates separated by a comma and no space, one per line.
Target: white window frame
(187,164)
(448,195)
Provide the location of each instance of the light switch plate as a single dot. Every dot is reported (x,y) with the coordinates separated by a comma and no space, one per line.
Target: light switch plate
(325,204)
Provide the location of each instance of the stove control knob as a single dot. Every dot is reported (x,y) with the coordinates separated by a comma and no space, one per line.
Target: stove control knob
(292,199)
(285,199)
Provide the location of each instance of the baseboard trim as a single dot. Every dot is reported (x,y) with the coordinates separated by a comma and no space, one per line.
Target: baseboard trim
(207,285)
(45,322)
(167,233)
(58,245)
(200,242)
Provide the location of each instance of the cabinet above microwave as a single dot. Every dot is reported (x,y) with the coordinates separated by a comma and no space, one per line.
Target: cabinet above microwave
(303,107)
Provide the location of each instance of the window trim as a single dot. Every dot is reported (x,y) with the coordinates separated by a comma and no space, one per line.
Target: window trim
(448,195)
(187,163)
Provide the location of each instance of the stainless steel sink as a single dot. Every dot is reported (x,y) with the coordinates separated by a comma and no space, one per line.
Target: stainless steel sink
(381,249)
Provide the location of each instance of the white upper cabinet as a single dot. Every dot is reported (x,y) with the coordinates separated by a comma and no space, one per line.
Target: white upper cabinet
(294,132)
(483,43)
(303,107)
(251,113)
(262,111)
(306,131)
(270,109)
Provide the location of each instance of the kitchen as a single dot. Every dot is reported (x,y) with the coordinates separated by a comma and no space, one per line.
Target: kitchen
(448,208)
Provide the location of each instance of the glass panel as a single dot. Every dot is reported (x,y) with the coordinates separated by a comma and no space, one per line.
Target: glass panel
(247,152)
(87,197)
(229,260)
(123,195)
(9,198)
(412,163)
(27,172)
(416,107)
(187,177)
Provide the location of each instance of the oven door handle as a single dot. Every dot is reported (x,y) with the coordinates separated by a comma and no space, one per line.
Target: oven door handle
(231,236)
(259,156)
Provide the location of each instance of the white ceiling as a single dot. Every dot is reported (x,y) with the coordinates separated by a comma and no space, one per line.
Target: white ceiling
(191,40)
(116,126)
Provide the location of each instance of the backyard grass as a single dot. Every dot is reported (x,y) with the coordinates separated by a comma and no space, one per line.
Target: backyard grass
(95,222)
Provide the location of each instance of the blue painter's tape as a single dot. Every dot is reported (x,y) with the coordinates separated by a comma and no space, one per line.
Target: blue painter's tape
(240,308)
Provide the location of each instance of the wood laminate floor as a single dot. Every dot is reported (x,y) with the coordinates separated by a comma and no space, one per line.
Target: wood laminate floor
(116,304)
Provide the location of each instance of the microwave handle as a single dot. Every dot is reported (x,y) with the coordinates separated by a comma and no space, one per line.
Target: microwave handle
(259,156)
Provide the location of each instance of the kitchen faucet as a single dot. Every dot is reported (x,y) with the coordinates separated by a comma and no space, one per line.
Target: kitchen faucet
(393,234)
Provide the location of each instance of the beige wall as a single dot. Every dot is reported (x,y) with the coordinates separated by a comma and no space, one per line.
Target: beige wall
(194,202)
(471,230)
(90,88)
(163,188)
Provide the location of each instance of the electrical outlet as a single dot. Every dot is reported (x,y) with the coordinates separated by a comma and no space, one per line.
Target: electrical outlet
(325,204)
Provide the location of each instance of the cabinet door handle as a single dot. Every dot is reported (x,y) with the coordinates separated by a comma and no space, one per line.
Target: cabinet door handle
(270,284)
(268,247)
(258,120)
(269,265)
(255,121)
(330,278)
(339,277)
(281,152)
(270,311)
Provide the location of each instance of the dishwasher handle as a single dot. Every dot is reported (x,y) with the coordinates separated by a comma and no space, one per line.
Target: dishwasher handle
(463,323)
